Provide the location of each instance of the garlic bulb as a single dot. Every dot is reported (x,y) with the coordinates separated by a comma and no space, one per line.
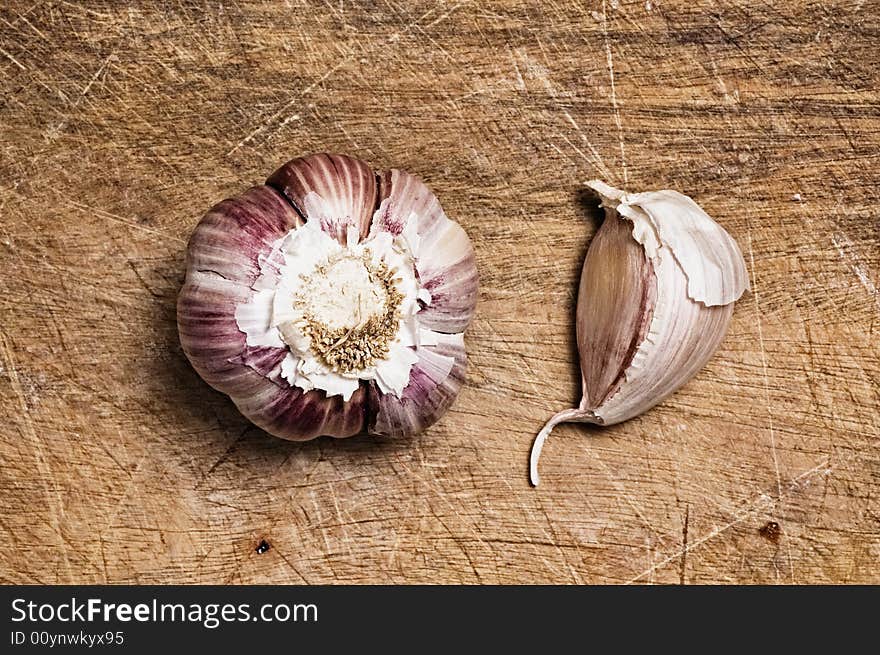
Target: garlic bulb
(655,298)
(330,301)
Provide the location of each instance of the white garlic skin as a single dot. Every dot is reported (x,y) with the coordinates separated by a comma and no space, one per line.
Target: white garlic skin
(656,296)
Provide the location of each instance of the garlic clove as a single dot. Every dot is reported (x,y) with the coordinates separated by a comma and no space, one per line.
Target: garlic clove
(297,415)
(443,252)
(223,261)
(336,190)
(655,299)
(448,272)
(233,237)
(225,255)
(435,380)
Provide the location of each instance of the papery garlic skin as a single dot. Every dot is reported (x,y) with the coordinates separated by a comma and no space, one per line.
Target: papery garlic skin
(655,298)
(330,301)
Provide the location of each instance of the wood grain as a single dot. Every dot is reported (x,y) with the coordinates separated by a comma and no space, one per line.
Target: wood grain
(120,125)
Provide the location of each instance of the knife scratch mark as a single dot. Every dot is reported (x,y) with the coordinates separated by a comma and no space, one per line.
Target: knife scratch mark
(843,245)
(50,484)
(764,364)
(610,60)
(761,503)
(343,62)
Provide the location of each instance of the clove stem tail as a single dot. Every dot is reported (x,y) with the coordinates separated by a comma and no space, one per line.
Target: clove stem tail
(574,415)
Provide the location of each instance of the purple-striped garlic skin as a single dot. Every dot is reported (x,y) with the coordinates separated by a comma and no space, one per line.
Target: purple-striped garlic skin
(330,301)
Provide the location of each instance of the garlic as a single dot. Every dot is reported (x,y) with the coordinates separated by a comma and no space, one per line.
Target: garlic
(330,301)
(656,295)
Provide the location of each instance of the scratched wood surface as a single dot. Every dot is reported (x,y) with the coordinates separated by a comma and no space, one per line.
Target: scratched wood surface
(120,125)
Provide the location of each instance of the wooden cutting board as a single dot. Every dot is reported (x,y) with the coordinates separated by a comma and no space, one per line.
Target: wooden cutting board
(120,127)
